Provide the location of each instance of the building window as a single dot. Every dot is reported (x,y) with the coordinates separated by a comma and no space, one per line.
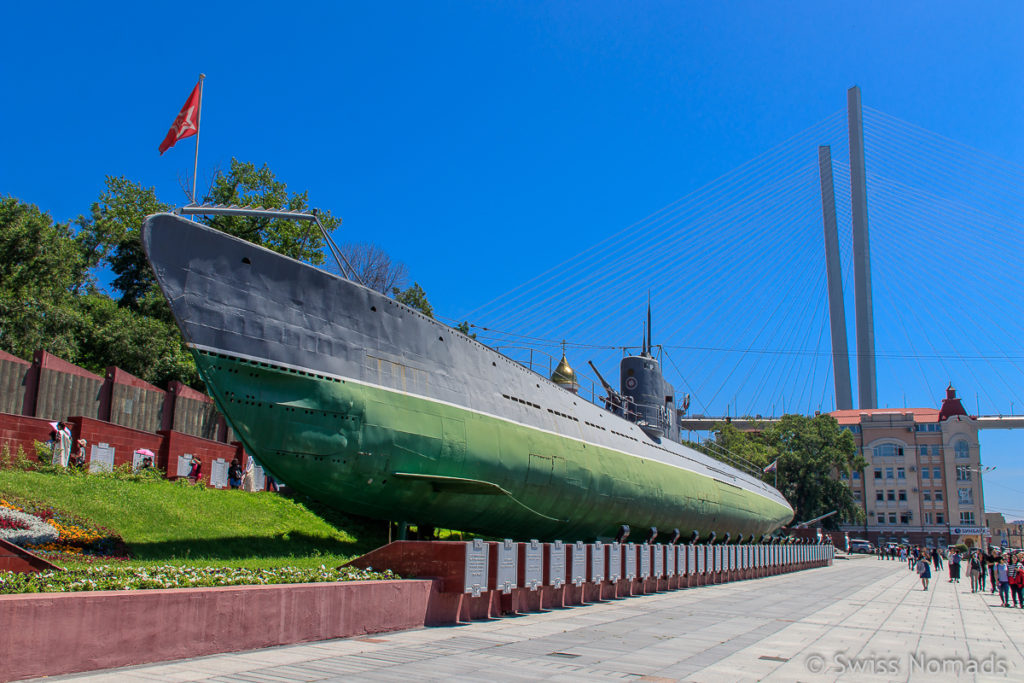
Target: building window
(856,474)
(892,518)
(963,473)
(924,450)
(903,495)
(881,518)
(935,450)
(936,473)
(878,473)
(857,496)
(905,518)
(901,473)
(888,473)
(961,449)
(940,518)
(938,496)
(890,495)
(887,450)
(844,476)
(927,518)
(879,495)
(926,473)
(967,517)
(966,496)
(927,494)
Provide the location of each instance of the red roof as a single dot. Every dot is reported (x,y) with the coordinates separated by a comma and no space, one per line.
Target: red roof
(852,417)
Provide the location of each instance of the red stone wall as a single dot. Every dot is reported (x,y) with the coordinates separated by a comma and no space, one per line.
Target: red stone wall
(19,430)
(105,629)
(124,439)
(177,444)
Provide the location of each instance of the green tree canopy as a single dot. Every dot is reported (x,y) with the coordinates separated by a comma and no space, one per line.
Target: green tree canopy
(811,454)
(246,185)
(39,273)
(415,297)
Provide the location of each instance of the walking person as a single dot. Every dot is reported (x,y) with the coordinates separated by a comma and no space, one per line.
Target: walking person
(954,567)
(993,561)
(1003,577)
(1015,574)
(975,568)
(984,571)
(924,570)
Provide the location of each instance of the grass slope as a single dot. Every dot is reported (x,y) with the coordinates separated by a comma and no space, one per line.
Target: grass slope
(164,522)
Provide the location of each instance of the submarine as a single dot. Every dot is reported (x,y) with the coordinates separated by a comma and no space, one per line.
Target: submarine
(375,409)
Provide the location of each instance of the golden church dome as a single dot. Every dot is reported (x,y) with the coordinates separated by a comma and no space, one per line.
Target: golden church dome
(564,376)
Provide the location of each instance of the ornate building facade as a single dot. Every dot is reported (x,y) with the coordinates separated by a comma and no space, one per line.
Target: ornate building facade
(922,484)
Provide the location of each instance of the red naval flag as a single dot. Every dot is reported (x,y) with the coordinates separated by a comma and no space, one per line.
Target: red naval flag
(187,122)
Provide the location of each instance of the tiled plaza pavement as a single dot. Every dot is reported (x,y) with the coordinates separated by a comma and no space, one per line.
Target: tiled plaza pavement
(840,622)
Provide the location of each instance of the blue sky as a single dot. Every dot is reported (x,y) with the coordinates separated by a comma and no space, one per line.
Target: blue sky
(483,143)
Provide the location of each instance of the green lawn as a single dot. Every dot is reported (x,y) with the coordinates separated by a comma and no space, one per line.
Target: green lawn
(168,523)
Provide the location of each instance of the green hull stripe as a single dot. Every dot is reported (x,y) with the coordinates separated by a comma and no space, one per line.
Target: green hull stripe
(342,441)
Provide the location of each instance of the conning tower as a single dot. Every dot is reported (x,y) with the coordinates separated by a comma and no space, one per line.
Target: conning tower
(648,399)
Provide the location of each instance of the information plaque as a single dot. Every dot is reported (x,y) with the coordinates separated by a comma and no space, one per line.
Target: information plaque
(694,559)
(614,562)
(645,561)
(556,564)
(476,568)
(658,561)
(715,564)
(533,565)
(630,557)
(671,560)
(597,552)
(579,563)
(507,570)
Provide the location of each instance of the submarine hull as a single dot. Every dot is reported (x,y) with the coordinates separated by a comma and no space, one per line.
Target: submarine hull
(375,409)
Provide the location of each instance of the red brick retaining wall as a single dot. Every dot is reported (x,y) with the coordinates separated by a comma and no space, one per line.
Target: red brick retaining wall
(100,630)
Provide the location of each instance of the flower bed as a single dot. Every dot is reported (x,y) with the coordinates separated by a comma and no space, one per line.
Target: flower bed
(23,529)
(54,533)
(107,577)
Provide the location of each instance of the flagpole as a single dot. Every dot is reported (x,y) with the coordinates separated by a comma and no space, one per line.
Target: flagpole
(199,118)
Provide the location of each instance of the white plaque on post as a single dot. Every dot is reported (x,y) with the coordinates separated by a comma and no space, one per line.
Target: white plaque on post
(476,568)
(658,564)
(732,558)
(101,458)
(219,473)
(533,569)
(556,564)
(507,571)
(670,560)
(630,557)
(645,561)
(694,559)
(614,561)
(579,563)
(597,551)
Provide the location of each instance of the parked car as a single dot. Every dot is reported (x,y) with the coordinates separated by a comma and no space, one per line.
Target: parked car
(859,545)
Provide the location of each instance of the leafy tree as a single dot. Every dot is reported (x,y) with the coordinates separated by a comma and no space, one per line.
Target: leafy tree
(415,297)
(146,346)
(39,273)
(811,454)
(246,185)
(112,235)
(463,327)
